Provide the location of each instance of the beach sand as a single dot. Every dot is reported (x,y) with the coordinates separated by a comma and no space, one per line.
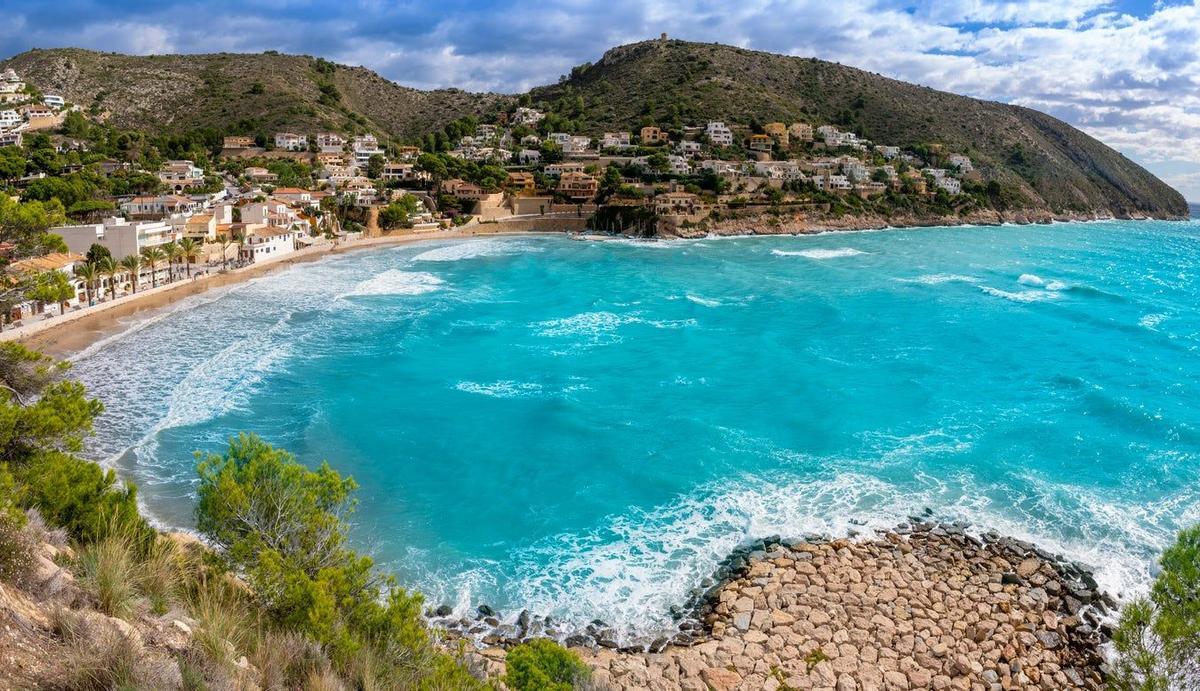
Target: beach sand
(67,335)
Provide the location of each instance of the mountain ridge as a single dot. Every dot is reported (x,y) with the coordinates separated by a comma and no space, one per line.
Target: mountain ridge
(1046,162)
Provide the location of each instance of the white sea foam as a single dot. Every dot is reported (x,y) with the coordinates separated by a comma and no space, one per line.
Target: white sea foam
(631,570)
(500,389)
(706,302)
(472,249)
(598,328)
(938,279)
(819,253)
(1151,321)
(1021,295)
(397,282)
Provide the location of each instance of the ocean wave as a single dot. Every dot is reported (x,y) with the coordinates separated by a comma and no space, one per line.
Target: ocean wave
(706,302)
(601,327)
(938,279)
(1021,295)
(1039,282)
(819,253)
(631,570)
(472,249)
(397,282)
(500,389)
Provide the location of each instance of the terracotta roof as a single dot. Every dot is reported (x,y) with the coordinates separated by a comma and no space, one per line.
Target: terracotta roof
(47,262)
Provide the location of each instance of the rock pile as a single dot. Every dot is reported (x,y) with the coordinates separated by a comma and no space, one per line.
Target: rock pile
(924,607)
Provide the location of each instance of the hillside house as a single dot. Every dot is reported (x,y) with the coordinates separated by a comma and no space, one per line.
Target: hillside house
(527,116)
(800,132)
(521,181)
(236,143)
(653,135)
(676,204)
(616,140)
(777,131)
(330,143)
(181,175)
(578,186)
(289,141)
(719,134)
(761,143)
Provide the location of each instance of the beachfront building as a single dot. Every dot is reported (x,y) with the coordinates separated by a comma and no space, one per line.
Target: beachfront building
(28,268)
(578,186)
(119,236)
(268,244)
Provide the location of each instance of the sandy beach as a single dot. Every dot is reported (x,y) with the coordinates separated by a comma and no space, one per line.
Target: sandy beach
(69,334)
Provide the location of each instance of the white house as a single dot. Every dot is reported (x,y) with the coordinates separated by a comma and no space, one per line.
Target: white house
(961,162)
(527,116)
(719,134)
(560,138)
(688,147)
(616,140)
(365,146)
(268,244)
(951,185)
(888,152)
(9,118)
(10,139)
(289,141)
(330,142)
(577,144)
(159,205)
(529,156)
(119,236)
(53,101)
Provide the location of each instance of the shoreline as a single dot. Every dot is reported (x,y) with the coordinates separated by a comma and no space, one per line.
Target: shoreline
(926,605)
(69,335)
(96,323)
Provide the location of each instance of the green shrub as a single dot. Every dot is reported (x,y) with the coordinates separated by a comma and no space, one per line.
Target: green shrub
(1158,638)
(284,527)
(543,665)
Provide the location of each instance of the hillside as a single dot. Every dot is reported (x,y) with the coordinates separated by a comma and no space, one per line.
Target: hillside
(264,91)
(1050,162)
(1042,161)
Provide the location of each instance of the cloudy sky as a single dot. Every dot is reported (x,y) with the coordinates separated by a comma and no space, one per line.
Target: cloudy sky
(1125,71)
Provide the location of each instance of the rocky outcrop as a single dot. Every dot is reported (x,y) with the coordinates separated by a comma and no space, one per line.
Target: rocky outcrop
(801,222)
(925,607)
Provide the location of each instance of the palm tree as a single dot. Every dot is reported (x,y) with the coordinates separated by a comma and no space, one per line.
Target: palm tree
(89,274)
(109,269)
(188,250)
(153,256)
(172,252)
(226,241)
(133,264)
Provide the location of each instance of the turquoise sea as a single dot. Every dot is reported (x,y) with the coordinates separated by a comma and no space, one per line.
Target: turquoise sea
(586,428)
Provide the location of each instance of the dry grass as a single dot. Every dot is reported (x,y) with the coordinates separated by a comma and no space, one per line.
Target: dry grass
(110,571)
(164,575)
(285,660)
(226,627)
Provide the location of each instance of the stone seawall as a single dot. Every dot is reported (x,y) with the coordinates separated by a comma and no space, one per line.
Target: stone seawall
(925,607)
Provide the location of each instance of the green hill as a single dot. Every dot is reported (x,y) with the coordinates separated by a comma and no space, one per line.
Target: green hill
(1052,163)
(243,92)
(673,83)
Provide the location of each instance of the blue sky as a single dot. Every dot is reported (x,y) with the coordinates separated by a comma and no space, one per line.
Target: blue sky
(1127,72)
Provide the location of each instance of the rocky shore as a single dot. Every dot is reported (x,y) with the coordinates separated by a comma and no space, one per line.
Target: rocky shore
(927,606)
(803,222)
